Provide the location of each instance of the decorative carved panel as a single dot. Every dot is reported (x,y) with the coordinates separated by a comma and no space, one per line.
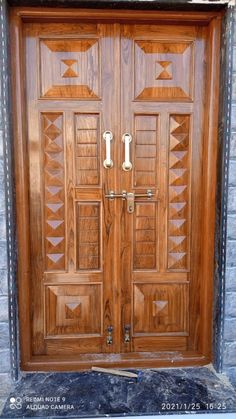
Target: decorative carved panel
(73,309)
(163,70)
(145,236)
(160,308)
(88,235)
(54,191)
(63,64)
(178,207)
(87,149)
(145,168)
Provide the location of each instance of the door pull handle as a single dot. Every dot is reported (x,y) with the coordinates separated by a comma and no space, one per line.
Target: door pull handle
(127,165)
(108,137)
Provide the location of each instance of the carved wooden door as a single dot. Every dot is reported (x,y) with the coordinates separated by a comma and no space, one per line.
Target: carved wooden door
(116,218)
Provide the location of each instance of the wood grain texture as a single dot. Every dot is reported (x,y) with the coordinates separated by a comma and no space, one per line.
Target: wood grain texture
(94,265)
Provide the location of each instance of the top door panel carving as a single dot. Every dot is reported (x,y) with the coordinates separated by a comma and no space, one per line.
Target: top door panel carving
(163,70)
(70,68)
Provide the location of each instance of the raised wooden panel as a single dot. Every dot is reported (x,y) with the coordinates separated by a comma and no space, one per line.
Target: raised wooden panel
(179,193)
(144,236)
(69,68)
(160,308)
(163,70)
(54,191)
(145,167)
(87,150)
(73,310)
(88,235)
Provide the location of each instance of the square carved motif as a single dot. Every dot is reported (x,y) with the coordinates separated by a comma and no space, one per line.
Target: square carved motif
(69,68)
(160,308)
(73,310)
(163,70)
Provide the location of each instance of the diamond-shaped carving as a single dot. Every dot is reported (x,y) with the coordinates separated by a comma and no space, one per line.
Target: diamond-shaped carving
(54,191)
(160,308)
(178,192)
(163,70)
(69,68)
(73,310)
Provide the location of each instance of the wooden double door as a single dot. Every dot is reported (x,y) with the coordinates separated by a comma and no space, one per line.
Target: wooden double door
(118,170)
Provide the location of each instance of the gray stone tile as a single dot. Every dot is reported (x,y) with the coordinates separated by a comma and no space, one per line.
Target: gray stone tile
(4,336)
(233,116)
(231,279)
(5,384)
(230,354)
(5,360)
(3,254)
(230,306)
(231,226)
(232,199)
(3,309)
(233,144)
(1,143)
(232,173)
(230,329)
(234,86)
(2,226)
(231,253)
(234,58)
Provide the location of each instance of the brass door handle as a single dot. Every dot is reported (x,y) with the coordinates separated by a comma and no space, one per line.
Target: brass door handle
(108,137)
(127,165)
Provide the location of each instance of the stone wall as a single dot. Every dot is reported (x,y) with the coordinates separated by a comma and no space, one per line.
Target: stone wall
(229,362)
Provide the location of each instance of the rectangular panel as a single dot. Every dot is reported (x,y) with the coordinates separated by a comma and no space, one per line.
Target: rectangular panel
(54,191)
(66,71)
(73,310)
(160,308)
(145,236)
(145,150)
(88,235)
(163,70)
(179,193)
(87,150)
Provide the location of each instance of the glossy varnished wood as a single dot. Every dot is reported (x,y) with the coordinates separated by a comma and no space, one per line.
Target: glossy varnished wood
(84,263)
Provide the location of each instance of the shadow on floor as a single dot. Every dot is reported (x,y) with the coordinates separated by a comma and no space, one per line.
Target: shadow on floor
(161,391)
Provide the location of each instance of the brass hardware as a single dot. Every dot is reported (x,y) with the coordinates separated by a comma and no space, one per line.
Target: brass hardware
(109,335)
(108,136)
(130,202)
(130,197)
(127,165)
(127,333)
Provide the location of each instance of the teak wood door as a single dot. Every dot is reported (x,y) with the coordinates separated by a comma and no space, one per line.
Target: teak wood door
(121,280)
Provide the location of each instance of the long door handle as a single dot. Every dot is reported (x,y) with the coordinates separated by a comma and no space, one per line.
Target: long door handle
(127,165)
(108,137)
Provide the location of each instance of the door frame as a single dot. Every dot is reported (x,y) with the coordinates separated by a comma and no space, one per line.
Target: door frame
(17,18)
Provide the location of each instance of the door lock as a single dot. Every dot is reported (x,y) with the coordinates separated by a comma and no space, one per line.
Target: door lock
(109,335)
(127,333)
(129,197)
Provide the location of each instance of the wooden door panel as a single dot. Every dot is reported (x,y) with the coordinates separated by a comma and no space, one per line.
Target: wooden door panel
(72,225)
(94,265)
(63,63)
(157,238)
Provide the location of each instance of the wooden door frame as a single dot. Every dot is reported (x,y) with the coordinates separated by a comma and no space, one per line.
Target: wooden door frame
(17,18)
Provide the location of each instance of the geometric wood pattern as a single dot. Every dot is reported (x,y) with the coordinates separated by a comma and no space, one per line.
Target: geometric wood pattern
(54,191)
(145,236)
(163,70)
(63,64)
(178,192)
(145,167)
(160,308)
(73,309)
(88,235)
(87,162)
